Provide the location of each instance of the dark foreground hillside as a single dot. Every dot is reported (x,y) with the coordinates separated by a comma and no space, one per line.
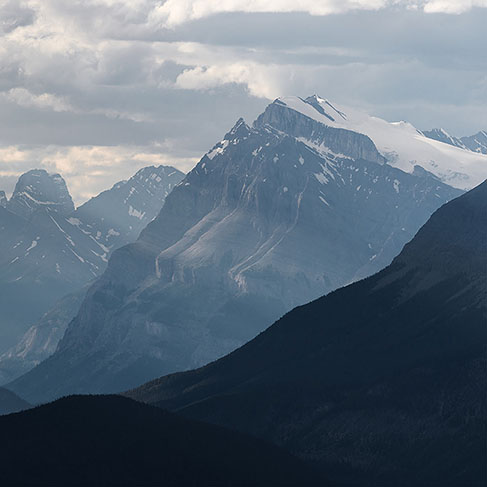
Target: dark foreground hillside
(111,440)
(380,383)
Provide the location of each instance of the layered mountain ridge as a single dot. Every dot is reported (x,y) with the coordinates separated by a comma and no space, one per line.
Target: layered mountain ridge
(41,339)
(273,216)
(49,248)
(381,382)
(474,143)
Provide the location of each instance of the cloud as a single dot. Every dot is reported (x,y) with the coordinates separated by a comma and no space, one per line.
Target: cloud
(261,81)
(48,101)
(14,14)
(175,12)
(452,6)
(25,98)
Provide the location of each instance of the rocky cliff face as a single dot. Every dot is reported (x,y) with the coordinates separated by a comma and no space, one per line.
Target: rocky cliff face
(272,217)
(48,249)
(117,216)
(37,190)
(334,140)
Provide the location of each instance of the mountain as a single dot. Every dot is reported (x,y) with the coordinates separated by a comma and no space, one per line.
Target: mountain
(474,143)
(381,382)
(442,136)
(11,403)
(477,142)
(41,339)
(275,215)
(117,216)
(110,440)
(402,144)
(49,249)
(37,190)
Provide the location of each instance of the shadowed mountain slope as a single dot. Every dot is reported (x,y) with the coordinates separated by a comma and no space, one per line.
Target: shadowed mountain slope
(381,382)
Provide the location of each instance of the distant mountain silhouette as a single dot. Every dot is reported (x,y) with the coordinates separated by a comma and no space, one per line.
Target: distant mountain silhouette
(111,440)
(381,382)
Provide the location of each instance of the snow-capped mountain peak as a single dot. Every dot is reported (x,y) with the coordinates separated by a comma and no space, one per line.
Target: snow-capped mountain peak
(322,105)
(402,144)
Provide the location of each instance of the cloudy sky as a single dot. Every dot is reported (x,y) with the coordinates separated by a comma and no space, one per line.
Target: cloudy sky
(96,89)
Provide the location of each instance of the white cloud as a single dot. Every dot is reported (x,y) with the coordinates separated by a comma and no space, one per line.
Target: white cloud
(452,6)
(176,12)
(260,80)
(26,99)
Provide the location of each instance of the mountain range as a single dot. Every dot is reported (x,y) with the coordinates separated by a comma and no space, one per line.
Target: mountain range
(49,249)
(474,143)
(42,338)
(381,382)
(310,198)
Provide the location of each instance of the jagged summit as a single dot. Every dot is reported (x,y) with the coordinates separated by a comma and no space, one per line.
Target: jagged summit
(320,104)
(120,213)
(37,189)
(476,143)
(239,129)
(400,143)
(442,135)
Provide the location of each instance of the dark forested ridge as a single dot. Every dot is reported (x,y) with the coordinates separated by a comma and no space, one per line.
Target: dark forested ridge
(381,382)
(111,440)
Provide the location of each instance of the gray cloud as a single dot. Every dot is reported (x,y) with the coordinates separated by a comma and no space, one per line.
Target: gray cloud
(14,14)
